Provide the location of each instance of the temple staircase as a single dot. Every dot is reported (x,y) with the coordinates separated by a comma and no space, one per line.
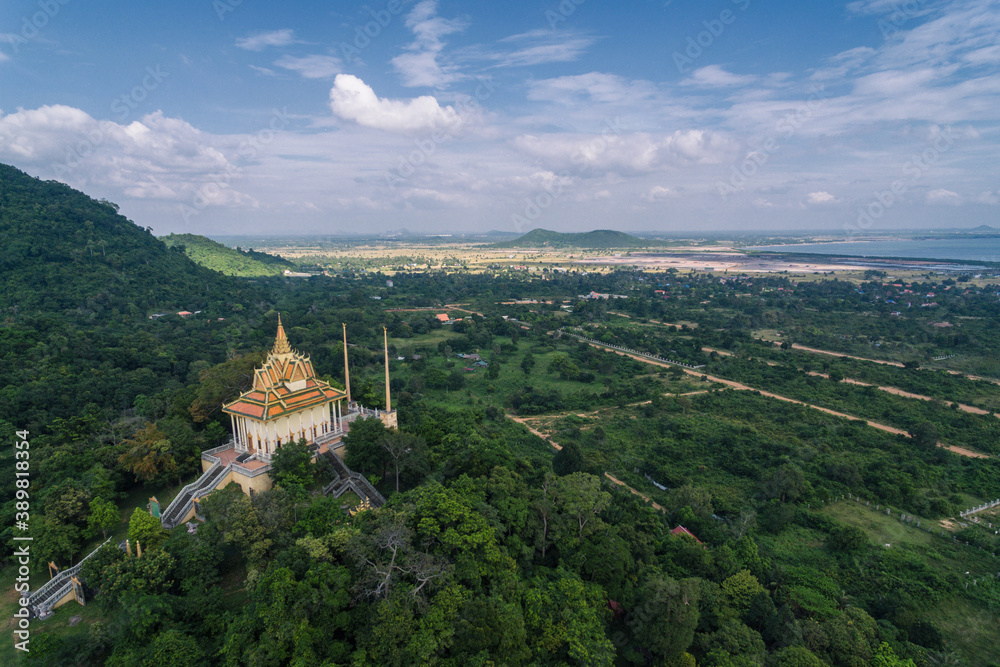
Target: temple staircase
(178,509)
(348,480)
(45,599)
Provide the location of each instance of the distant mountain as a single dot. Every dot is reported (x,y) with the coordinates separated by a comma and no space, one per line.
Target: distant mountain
(981,229)
(64,252)
(597,239)
(230,261)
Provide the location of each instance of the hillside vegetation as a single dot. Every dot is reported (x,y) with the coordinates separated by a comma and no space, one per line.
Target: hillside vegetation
(230,261)
(64,251)
(597,239)
(808,538)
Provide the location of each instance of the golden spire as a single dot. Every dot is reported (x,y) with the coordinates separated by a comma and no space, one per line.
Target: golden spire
(347,373)
(281,345)
(388,399)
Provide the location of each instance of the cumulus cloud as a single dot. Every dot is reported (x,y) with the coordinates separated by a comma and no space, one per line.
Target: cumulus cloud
(311,67)
(420,65)
(352,99)
(942,196)
(156,157)
(820,198)
(259,41)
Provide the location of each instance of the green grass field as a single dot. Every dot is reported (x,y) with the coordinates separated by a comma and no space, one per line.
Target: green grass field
(962,614)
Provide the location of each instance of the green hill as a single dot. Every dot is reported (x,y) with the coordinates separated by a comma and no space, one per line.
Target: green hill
(64,252)
(230,261)
(597,239)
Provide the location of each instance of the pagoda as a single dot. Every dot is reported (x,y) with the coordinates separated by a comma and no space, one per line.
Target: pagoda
(286,403)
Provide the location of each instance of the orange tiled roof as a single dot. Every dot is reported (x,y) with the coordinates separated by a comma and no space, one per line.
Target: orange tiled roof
(285,383)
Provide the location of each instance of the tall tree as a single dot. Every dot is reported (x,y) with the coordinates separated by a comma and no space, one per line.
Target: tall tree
(365,452)
(145,529)
(292,469)
(104,516)
(665,615)
(149,456)
(402,449)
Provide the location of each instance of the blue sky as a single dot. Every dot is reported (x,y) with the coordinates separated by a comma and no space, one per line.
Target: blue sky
(243,117)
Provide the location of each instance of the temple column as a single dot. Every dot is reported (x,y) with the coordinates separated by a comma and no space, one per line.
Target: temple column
(232,421)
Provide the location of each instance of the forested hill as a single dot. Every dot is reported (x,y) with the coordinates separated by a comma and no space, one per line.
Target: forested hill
(65,252)
(230,261)
(597,239)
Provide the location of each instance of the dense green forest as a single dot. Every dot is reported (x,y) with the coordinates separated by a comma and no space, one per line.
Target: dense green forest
(229,261)
(816,540)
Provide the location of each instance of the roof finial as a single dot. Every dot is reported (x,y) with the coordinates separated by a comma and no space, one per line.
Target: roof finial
(281,345)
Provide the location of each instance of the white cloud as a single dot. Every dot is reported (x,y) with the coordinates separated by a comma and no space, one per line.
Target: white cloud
(658,193)
(155,157)
(259,41)
(537,47)
(353,99)
(592,86)
(820,198)
(942,196)
(434,196)
(419,66)
(713,76)
(311,67)
(632,153)
(263,70)
(989,197)
(4,57)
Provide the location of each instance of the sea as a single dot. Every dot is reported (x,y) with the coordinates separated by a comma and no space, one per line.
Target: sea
(965,248)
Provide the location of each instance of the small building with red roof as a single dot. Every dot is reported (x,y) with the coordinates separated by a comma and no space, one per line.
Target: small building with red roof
(681,530)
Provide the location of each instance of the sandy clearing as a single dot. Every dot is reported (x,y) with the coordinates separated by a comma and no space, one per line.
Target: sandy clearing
(964,451)
(524,422)
(975,377)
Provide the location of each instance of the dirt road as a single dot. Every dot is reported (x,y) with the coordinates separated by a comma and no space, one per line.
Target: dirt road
(962,451)
(615,480)
(901,392)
